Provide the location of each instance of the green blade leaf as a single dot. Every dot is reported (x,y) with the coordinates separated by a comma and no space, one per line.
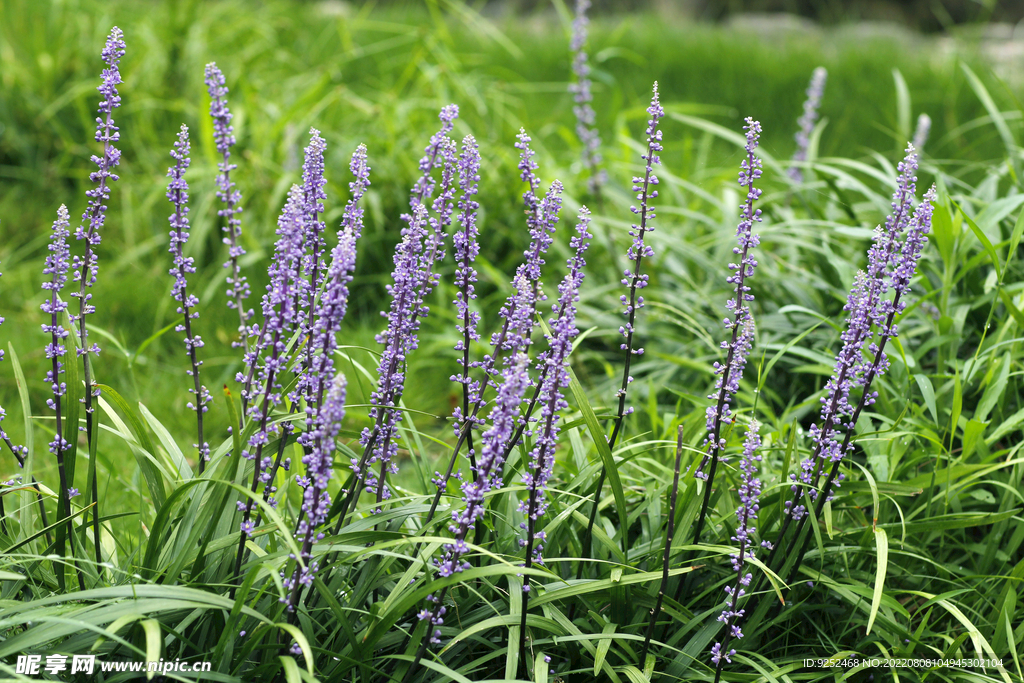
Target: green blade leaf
(989,249)
(1015,237)
(291,669)
(151,627)
(601,441)
(154,480)
(602,648)
(882,546)
(19,378)
(990,106)
(181,466)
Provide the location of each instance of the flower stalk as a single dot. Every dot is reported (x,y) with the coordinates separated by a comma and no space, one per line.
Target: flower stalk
(634,301)
(177,193)
(862,313)
(586,130)
(542,457)
(279,315)
(815,91)
(746,515)
(904,267)
(741,324)
(86,268)
(231,198)
(57,265)
(391,378)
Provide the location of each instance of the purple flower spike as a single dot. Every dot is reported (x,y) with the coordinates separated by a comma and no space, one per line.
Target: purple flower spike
(555,361)
(586,131)
(815,91)
(334,302)
(555,358)
(313,269)
(645,188)
(313,194)
(57,264)
(464,241)
(177,194)
(891,265)
(224,137)
(741,323)
(539,212)
(316,501)
(423,190)
(503,419)
(519,311)
(864,308)
(903,265)
(353,215)
(412,279)
(95,212)
(86,267)
(287,287)
(746,515)
(527,168)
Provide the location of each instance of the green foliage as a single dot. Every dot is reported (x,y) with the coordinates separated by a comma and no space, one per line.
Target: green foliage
(920,554)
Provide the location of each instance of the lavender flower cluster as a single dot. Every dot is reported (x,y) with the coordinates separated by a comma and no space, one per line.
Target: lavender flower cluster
(867,307)
(466,249)
(228,193)
(299,325)
(177,194)
(750,494)
(556,379)
(413,278)
(281,318)
(639,249)
(634,280)
(586,130)
(87,267)
(57,264)
(333,303)
(815,91)
(742,323)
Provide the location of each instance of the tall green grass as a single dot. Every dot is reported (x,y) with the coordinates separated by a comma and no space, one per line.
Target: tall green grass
(919,555)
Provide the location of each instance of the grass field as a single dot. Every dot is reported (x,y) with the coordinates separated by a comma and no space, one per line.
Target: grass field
(919,555)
